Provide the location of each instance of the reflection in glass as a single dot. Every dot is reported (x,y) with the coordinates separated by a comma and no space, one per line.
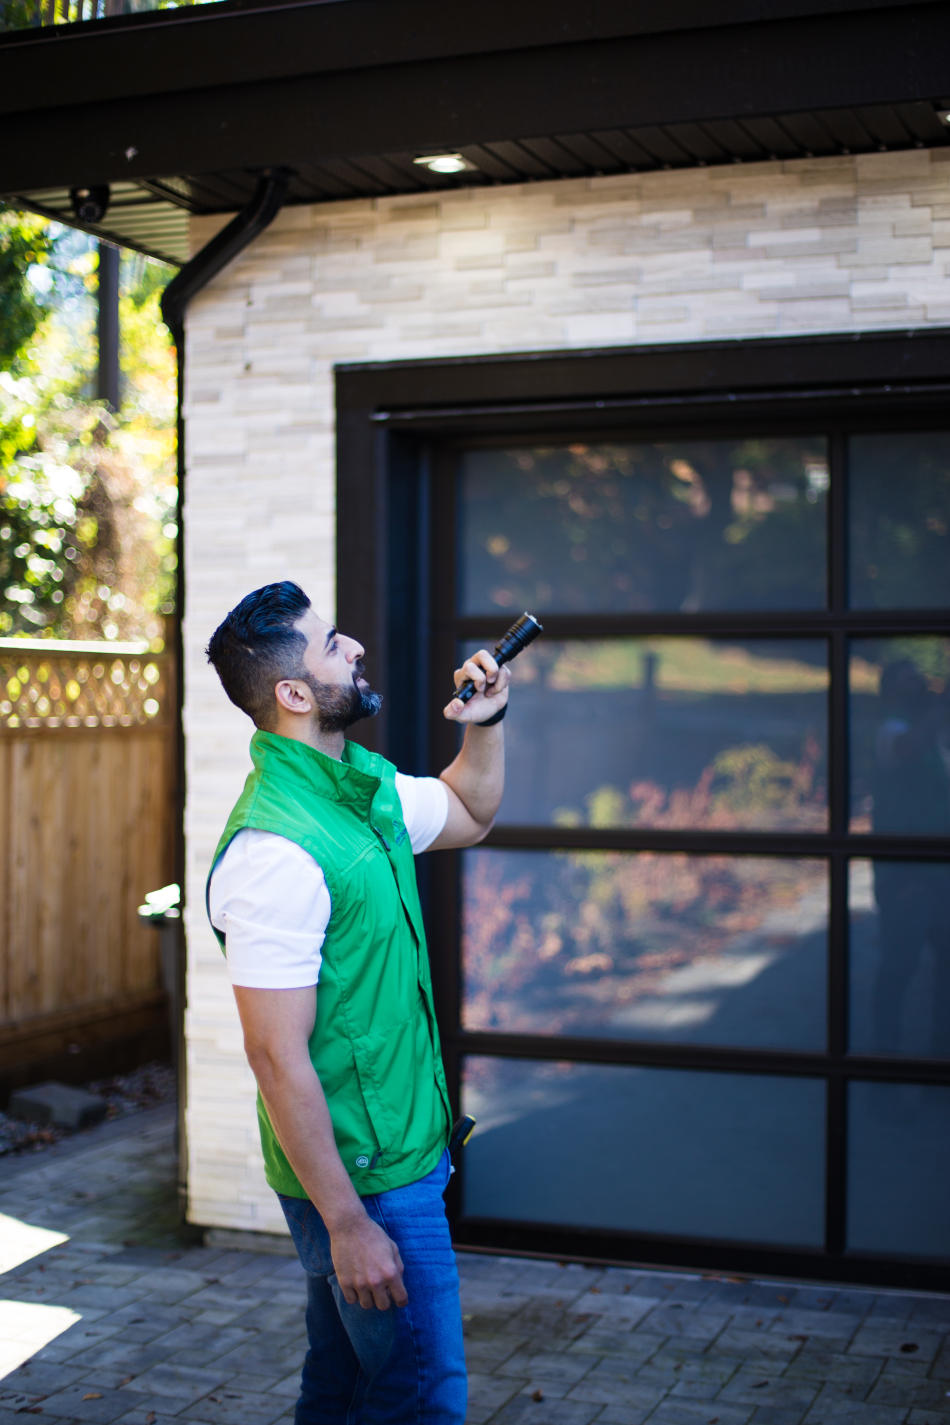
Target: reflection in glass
(641,945)
(900,736)
(900,958)
(712,1155)
(690,525)
(899,518)
(898,1169)
(670,732)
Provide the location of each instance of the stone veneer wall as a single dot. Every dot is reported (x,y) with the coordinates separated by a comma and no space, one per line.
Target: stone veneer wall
(824,245)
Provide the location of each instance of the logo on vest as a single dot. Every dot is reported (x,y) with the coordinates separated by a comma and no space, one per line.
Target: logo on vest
(362,1161)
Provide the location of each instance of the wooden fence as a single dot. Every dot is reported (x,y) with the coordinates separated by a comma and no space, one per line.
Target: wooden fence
(88,808)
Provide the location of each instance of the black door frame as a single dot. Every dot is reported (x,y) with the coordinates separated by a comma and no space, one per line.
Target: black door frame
(396,421)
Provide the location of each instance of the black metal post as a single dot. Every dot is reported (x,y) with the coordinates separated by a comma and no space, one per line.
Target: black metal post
(108,379)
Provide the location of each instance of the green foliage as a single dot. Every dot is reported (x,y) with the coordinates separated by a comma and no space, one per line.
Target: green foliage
(87,497)
(25,243)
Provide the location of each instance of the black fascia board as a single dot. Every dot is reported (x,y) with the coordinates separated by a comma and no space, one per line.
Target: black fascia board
(826,61)
(246,41)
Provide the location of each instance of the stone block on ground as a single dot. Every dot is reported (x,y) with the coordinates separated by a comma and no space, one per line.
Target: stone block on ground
(57,1104)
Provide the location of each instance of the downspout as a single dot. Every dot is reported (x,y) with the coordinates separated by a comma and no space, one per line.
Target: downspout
(188,281)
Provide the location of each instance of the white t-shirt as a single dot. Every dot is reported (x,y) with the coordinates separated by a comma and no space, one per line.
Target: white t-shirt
(270,900)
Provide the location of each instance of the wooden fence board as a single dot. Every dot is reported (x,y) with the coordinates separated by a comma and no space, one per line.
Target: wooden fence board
(89,826)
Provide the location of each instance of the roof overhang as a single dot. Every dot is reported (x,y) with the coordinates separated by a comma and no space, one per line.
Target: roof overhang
(179,111)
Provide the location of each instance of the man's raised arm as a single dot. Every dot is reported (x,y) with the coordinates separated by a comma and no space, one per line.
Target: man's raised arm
(476,778)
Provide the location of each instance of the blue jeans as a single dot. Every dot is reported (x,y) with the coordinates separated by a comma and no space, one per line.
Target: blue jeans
(404,1366)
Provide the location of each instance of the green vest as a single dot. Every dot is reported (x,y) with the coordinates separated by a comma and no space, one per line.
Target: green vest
(375,1045)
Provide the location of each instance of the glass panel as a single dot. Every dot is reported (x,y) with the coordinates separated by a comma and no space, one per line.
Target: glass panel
(685,525)
(898,1169)
(899,520)
(900,958)
(900,736)
(637,945)
(706,1155)
(669,732)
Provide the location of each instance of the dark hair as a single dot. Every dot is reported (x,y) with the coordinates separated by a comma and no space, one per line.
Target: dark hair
(256,645)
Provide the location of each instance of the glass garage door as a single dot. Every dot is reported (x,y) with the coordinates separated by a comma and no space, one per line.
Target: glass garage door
(699,975)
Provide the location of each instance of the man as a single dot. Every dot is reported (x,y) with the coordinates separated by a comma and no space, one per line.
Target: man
(313,897)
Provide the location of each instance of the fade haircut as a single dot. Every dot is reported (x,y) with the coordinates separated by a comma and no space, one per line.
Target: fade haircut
(256,645)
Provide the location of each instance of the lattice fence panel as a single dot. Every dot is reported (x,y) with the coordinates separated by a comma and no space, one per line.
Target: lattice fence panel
(82,685)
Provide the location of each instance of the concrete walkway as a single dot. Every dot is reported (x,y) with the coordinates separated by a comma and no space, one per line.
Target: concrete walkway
(107,1315)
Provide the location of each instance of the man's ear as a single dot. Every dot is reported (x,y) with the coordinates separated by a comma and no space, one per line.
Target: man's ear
(293,696)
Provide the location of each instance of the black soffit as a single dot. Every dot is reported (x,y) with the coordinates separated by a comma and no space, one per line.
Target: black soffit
(180,111)
(152,215)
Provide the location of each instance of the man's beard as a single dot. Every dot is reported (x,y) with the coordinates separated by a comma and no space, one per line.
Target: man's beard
(338,707)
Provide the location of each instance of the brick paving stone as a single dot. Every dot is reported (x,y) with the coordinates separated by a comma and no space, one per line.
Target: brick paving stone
(697,1323)
(183,1383)
(906,1366)
(757,1387)
(547,1366)
(84,1402)
(833,1324)
(758,1346)
(486,1394)
(602,1338)
(143,1415)
(523,1410)
(813,1363)
(704,1378)
(694,1412)
(623,1415)
(903,1390)
(835,1407)
(928,1417)
(872,1340)
(615,1305)
(36,1378)
(774,1415)
(603,1388)
(234,1405)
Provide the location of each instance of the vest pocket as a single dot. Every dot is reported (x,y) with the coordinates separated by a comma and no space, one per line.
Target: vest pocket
(386,1067)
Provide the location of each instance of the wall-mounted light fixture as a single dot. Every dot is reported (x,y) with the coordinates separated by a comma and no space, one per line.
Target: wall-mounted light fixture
(942,110)
(445,163)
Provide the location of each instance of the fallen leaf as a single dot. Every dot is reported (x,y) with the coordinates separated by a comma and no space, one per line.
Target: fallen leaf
(93,1395)
(537,1395)
(909,1347)
(758,1384)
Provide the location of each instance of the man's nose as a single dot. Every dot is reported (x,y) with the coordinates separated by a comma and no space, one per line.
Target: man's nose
(355,650)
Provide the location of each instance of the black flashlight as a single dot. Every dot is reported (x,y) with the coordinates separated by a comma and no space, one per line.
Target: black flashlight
(522,632)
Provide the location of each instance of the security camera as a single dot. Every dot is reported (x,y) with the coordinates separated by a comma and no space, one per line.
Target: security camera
(90,204)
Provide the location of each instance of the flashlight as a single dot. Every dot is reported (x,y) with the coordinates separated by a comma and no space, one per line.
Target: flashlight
(522,632)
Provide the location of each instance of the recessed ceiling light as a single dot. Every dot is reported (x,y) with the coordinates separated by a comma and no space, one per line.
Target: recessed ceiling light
(444,162)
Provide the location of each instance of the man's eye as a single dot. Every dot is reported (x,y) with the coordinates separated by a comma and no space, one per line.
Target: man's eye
(333,646)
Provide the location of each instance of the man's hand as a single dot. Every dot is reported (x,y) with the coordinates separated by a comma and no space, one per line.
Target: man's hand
(491,689)
(367,1264)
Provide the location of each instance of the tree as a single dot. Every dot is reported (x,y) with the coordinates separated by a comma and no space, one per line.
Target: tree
(87,497)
